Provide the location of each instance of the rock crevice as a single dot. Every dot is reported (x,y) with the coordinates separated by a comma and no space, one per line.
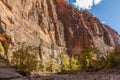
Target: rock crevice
(55,23)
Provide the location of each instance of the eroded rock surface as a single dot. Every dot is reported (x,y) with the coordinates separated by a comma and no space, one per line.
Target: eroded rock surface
(6,71)
(55,26)
(100,75)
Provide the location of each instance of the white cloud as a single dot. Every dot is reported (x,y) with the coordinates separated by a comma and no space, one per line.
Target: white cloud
(104,22)
(97,2)
(86,4)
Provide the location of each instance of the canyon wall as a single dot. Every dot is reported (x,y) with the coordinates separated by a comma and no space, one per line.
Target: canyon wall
(55,26)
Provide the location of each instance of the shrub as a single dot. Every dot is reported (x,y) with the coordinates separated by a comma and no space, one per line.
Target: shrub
(69,63)
(2,51)
(85,57)
(78,62)
(65,62)
(74,63)
(52,64)
(24,61)
(98,63)
(113,60)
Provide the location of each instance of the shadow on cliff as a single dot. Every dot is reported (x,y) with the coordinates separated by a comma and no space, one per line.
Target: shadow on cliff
(1,28)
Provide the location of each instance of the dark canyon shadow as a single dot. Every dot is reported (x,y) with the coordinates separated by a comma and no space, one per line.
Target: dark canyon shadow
(1,29)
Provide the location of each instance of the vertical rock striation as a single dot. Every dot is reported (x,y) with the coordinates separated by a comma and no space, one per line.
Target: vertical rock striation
(55,26)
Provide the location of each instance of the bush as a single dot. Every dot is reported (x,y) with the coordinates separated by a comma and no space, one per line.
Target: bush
(52,65)
(2,51)
(85,58)
(99,63)
(74,63)
(78,62)
(65,62)
(24,61)
(113,60)
(69,63)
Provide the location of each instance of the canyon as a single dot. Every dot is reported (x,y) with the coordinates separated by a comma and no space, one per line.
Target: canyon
(55,26)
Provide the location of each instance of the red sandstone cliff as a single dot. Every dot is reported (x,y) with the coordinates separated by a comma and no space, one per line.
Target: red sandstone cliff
(56,26)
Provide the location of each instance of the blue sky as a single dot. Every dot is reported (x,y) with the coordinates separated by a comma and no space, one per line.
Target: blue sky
(108,11)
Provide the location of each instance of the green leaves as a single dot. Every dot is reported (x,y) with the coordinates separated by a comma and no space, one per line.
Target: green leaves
(2,51)
(23,60)
(113,60)
(65,62)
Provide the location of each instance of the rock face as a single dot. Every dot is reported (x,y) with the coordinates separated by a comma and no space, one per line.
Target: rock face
(6,71)
(54,25)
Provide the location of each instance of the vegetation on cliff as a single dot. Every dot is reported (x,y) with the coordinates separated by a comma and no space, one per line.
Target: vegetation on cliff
(25,61)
